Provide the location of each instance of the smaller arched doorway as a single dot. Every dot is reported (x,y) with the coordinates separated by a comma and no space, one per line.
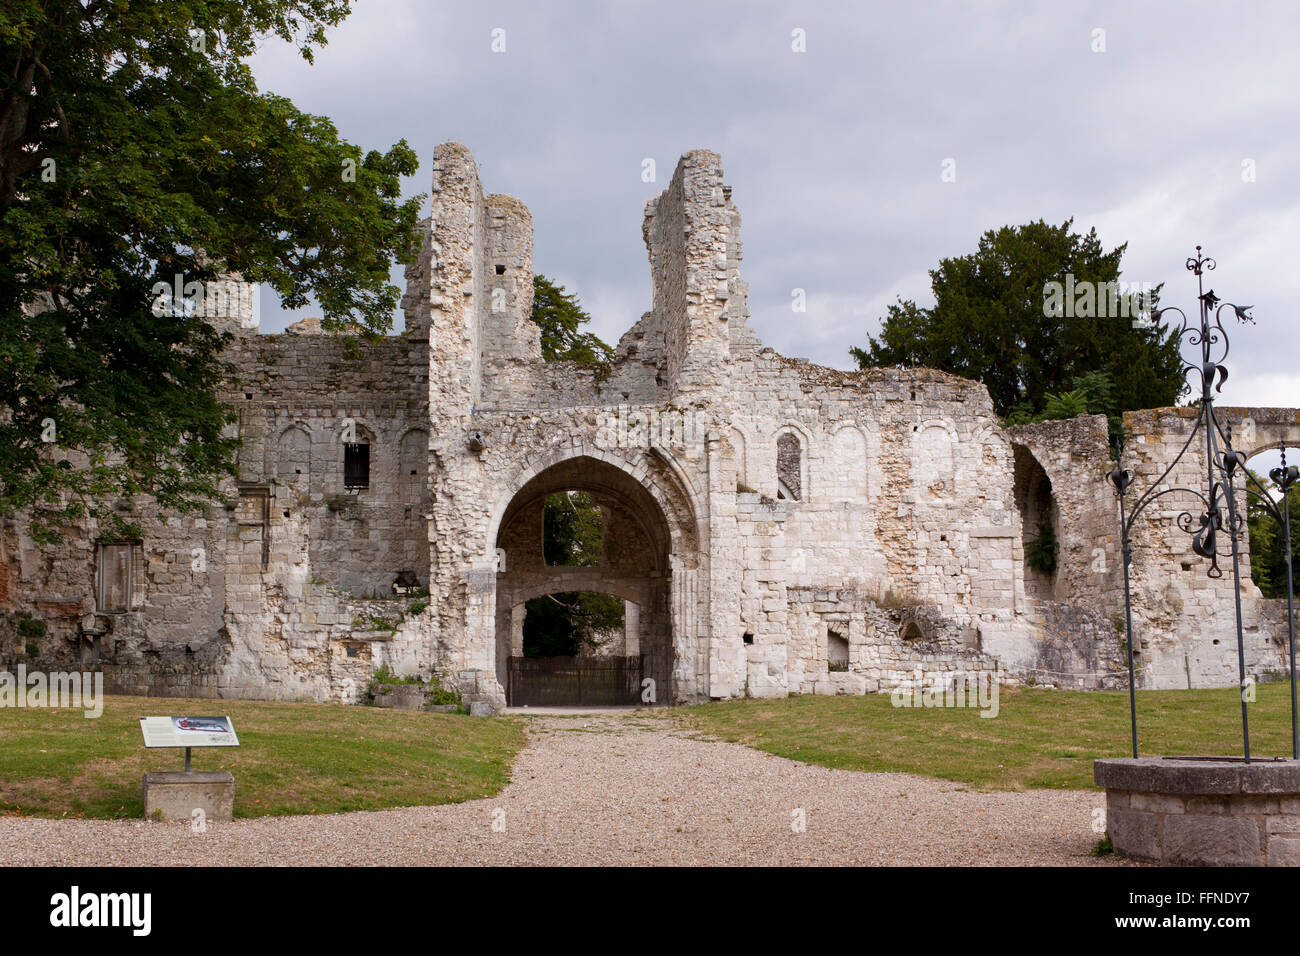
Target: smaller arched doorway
(624,563)
(1040,525)
(577,649)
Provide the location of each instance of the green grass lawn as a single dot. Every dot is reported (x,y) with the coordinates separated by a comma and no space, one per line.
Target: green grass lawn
(293,758)
(1040,738)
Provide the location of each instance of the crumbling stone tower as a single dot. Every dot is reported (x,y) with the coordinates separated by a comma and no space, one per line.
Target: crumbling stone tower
(505,424)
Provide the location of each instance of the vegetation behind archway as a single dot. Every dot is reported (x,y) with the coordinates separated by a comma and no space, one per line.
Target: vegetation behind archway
(569,623)
(1267,557)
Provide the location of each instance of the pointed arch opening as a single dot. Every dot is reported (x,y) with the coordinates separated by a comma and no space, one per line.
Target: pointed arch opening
(626,566)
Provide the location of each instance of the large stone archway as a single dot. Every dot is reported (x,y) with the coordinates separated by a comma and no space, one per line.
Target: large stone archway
(649,544)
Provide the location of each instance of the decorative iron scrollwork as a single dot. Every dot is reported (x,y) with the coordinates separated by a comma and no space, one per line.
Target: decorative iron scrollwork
(1220,518)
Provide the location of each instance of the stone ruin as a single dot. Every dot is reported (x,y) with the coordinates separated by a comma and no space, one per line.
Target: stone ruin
(775,527)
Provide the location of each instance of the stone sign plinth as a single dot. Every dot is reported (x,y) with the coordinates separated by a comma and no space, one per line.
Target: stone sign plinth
(178,794)
(1183,811)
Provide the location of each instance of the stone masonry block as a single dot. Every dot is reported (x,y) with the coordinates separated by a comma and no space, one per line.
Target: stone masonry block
(1194,839)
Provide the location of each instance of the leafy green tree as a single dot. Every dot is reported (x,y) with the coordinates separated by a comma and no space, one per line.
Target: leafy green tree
(136,147)
(561,318)
(560,625)
(573,529)
(1090,394)
(1267,556)
(1066,405)
(573,534)
(992,321)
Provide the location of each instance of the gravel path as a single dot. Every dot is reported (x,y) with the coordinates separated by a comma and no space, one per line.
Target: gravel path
(620,790)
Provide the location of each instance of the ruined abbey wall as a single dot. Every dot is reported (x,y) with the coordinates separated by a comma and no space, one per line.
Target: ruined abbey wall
(777,527)
(299,398)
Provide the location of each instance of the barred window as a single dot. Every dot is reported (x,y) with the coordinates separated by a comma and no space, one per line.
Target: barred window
(356,466)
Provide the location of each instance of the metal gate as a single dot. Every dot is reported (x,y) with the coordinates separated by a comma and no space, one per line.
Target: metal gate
(575,681)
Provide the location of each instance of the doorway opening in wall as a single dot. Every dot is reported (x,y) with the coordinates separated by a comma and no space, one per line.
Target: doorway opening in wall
(587,533)
(1267,550)
(1040,523)
(576,648)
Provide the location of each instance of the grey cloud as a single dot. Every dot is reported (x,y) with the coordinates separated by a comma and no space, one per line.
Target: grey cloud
(834,154)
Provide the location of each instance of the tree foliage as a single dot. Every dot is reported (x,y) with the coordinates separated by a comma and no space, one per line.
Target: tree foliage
(561,318)
(991,322)
(136,147)
(573,535)
(1041,552)
(1267,554)
(573,529)
(561,625)
(1090,394)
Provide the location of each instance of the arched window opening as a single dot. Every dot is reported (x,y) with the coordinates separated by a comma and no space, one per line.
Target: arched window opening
(789,467)
(742,469)
(1039,525)
(293,457)
(356,462)
(413,463)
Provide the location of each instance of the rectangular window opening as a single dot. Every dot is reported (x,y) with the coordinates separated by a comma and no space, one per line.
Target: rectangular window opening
(837,651)
(114,577)
(356,466)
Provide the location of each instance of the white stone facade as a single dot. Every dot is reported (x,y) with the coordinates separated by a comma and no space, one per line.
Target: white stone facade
(779,527)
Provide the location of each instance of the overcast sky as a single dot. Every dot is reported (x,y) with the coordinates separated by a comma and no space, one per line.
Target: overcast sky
(835,154)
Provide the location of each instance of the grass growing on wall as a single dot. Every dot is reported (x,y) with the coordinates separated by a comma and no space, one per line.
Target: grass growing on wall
(293,758)
(1040,738)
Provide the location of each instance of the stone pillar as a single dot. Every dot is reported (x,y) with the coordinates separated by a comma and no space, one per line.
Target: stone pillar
(517,615)
(631,629)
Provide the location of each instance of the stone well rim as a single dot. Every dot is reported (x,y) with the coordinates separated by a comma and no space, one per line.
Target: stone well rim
(1199,775)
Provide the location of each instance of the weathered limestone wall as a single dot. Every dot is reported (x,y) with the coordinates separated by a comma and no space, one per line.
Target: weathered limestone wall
(236,599)
(1075,455)
(691,232)
(1184,621)
(301,398)
(180,563)
(776,527)
(222,605)
(906,499)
